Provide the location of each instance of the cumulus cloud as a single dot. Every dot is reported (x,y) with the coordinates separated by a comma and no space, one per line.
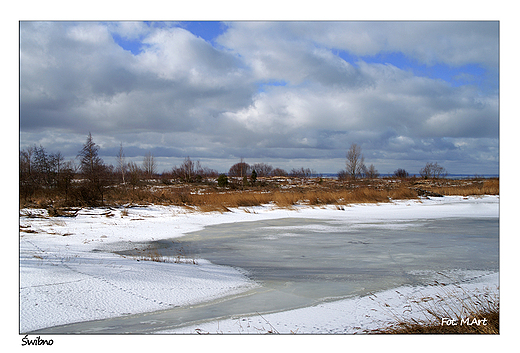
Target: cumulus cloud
(268,90)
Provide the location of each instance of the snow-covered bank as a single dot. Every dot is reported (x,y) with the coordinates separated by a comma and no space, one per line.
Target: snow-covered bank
(359,314)
(67,273)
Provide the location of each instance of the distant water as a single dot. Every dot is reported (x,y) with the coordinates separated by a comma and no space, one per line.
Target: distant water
(450,176)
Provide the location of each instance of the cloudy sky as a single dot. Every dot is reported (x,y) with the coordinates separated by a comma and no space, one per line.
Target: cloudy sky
(292,94)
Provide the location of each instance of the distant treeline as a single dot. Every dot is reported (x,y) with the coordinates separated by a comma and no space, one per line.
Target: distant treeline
(85,179)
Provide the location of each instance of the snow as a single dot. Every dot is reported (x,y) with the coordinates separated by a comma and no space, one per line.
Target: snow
(68,275)
(353,316)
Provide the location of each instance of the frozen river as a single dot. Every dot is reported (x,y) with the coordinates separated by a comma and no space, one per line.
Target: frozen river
(319,259)
(299,262)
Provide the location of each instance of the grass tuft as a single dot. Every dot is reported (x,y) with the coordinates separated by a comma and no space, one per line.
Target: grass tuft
(455,311)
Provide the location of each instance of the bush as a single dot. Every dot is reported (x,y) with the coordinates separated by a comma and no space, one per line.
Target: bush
(253,176)
(401,173)
(222,180)
(302,173)
(342,175)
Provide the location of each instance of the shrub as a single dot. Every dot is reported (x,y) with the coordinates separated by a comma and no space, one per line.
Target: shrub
(279,172)
(301,173)
(401,173)
(372,172)
(222,180)
(342,175)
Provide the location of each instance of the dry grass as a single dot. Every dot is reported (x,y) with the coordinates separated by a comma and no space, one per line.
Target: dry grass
(452,312)
(491,326)
(284,193)
(154,256)
(473,187)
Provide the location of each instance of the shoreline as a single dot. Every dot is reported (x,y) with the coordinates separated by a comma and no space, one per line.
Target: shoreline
(355,315)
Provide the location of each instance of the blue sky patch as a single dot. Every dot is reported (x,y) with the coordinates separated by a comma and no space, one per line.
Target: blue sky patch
(134,46)
(455,76)
(207,30)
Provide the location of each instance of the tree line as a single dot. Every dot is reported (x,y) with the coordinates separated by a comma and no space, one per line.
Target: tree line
(86,182)
(48,173)
(355,168)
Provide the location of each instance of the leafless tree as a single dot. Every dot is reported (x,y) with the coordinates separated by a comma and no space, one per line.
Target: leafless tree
(262,169)
(27,181)
(240,169)
(371,172)
(65,176)
(401,173)
(355,162)
(40,170)
(149,165)
(135,174)
(278,172)
(301,172)
(192,171)
(433,170)
(187,169)
(121,164)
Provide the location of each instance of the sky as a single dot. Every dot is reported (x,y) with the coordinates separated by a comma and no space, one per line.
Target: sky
(288,93)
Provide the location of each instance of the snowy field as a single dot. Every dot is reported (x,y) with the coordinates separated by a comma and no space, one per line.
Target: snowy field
(67,276)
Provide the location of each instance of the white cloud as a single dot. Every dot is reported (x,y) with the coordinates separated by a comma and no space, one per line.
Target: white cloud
(130,30)
(450,42)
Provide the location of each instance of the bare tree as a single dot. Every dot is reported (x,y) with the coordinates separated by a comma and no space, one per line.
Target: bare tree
(433,170)
(149,166)
(401,173)
(262,169)
(27,180)
(355,162)
(40,170)
(371,172)
(42,166)
(121,164)
(66,174)
(301,173)
(135,174)
(192,171)
(240,169)
(278,172)
(187,170)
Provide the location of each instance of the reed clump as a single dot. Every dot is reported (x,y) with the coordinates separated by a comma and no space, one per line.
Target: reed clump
(455,311)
